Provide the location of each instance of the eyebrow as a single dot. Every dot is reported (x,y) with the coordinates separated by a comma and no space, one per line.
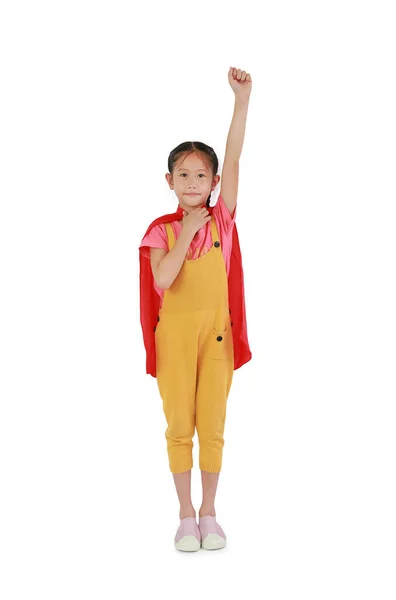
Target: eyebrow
(183,169)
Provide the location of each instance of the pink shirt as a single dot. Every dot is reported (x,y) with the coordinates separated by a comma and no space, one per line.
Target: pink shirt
(202,241)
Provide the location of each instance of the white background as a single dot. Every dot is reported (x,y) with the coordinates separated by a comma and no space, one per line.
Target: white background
(94,97)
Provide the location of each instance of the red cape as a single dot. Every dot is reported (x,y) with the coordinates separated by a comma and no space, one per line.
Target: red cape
(150,300)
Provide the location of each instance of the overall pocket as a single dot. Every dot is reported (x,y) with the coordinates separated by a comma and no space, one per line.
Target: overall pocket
(220,342)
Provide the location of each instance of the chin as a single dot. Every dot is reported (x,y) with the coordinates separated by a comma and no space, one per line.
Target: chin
(194,201)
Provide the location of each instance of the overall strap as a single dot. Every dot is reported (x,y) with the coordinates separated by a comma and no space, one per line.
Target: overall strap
(171,235)
(215,234)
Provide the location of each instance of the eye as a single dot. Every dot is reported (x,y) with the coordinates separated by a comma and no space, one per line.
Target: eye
(181,174)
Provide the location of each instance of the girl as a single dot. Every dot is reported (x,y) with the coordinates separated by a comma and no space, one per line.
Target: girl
(193,318)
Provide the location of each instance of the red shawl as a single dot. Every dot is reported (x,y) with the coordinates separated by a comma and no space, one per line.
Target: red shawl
(150,300)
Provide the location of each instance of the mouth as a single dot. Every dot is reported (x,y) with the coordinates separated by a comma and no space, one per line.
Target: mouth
(193,194)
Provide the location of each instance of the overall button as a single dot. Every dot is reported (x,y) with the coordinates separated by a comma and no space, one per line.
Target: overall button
(217,244)
(219,340)
(220,346)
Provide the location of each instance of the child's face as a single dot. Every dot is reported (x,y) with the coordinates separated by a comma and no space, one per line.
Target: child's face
(191,175)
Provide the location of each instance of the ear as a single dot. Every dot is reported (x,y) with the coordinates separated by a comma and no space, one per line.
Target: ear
(216,180)
(168,178)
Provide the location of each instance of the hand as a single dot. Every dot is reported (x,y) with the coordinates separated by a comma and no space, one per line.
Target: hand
(196,219)
(240,82)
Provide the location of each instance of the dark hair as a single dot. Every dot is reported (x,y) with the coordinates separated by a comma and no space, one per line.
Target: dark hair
(206,153)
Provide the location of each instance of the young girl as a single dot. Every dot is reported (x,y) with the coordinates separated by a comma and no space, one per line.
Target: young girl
(193,315)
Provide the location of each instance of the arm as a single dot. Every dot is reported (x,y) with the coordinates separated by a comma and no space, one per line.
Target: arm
(241,84)
(166,265)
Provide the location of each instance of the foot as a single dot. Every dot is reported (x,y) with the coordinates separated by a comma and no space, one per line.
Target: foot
(188,535)
(212,535)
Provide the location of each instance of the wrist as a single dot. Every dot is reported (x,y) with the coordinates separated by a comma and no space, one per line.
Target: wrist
(188,231)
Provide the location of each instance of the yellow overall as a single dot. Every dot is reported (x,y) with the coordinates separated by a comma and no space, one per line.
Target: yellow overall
(195,358)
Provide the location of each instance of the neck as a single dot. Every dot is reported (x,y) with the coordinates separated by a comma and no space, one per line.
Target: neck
(189,209)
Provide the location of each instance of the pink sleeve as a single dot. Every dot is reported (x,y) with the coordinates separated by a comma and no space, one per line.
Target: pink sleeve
(225,219)
(156,238)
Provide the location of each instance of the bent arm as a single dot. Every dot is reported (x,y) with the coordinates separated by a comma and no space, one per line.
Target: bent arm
(166,265)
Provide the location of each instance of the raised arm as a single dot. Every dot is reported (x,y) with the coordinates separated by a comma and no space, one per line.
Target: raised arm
(241,84)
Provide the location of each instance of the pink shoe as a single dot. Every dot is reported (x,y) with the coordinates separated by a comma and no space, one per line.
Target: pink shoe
(212,535)
(188,536)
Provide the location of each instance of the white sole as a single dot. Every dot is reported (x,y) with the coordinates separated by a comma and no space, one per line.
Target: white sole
(213,541)
(188,543)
